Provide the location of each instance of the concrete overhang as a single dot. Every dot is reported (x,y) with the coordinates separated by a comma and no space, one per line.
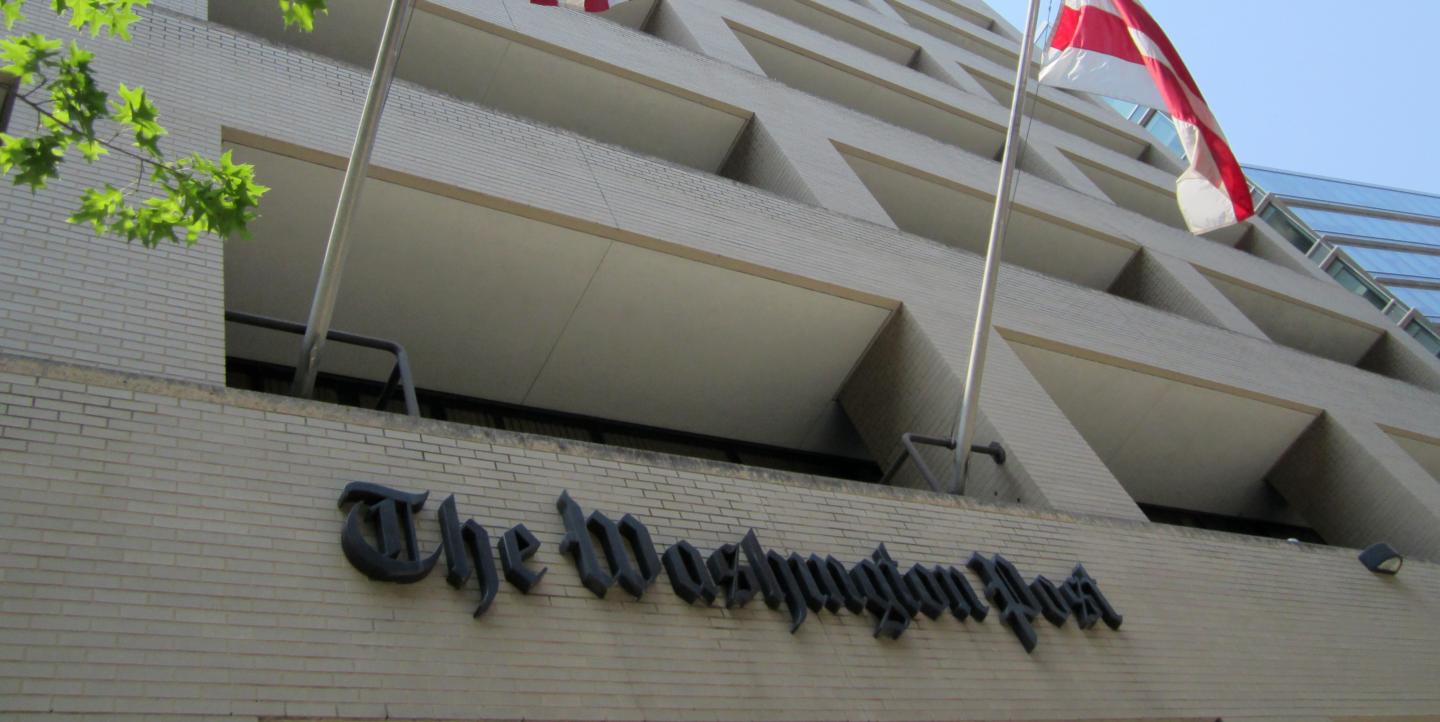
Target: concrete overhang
(846,85)
(973,33)
(1424,449)
(1171,441)
(507,304)
(958,216)
(1112,135)
(1151,197)
(834,23)
(1301,326)
(490,65)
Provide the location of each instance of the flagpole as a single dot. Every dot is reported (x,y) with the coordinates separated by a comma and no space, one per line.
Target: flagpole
(327,287)
(979,342)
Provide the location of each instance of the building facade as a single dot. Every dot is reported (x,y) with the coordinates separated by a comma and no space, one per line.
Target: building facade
(697,265)
(1381,243)
(1378,242)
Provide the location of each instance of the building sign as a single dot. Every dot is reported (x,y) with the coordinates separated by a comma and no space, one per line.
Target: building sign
(379,540)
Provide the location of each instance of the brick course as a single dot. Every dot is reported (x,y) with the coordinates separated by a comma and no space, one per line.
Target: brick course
(170,546)
(172,549)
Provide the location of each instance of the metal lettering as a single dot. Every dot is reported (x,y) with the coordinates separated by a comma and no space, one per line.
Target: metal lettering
(462,543)
(391,516)
(1013,600)
(577,544)
(736,579)
(689,576)
(789,588)
(832,576)
(1090,605)
(961,596)
(815,597)
(517,545)
(891,619)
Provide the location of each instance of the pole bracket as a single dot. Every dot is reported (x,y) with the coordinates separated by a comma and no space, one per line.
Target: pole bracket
(908,450)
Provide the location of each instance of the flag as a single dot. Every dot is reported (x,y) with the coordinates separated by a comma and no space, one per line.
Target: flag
(1114,48)
(589,6)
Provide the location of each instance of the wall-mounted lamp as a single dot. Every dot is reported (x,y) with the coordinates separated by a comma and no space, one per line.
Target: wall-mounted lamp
(1381,559)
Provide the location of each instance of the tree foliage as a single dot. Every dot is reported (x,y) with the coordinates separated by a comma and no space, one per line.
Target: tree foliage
(185,197)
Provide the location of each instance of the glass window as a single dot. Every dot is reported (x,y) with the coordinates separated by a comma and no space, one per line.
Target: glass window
(1396,264)
(1397,311)
(8,86)
(1297,238)
(1357,285)
(1345,192)
(1424,300)
(1257,194)
(1425,336)
(1122,107)
(1163,129)
(1360,226)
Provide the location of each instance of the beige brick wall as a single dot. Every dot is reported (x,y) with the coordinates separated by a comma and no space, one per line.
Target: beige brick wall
(173,550)
(69,296)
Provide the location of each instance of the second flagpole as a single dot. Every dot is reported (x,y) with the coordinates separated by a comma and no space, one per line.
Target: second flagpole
(327,286)
(979,342)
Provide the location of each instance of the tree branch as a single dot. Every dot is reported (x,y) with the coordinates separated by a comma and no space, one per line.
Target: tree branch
(122,150)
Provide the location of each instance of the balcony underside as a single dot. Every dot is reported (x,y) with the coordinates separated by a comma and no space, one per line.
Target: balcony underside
(1171,442)
(512,309)
(929,207)
(481,63)
(1425,452)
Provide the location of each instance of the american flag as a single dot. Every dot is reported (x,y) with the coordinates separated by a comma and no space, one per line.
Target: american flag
(1114,48)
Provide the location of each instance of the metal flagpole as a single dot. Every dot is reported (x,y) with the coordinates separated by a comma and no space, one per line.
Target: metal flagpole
(965,426)
(322,308)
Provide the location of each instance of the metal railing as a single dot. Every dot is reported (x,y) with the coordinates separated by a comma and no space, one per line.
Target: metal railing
(399,375)
(908,451)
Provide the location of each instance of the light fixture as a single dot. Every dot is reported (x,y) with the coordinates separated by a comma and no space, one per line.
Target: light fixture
(1381,558)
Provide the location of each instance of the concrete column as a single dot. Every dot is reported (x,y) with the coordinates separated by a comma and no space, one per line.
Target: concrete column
(696,25)
(828,177)
(1172,284)
(879,6)
(1059,169)
(906,384)
(1398,355)
(1356,486)
(1262,240)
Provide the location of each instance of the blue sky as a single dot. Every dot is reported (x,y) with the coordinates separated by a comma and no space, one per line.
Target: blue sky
(1334,88)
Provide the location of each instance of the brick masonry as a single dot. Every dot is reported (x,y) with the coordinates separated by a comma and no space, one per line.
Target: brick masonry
(173,549)
(171,546)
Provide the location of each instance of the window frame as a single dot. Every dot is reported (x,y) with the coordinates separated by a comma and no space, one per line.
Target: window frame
(10,86)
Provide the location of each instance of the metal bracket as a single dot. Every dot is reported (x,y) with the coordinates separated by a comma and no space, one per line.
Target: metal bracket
(908,441)
(400,375)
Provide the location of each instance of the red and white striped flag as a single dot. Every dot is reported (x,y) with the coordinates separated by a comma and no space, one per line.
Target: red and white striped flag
(1114,48)
(589,6)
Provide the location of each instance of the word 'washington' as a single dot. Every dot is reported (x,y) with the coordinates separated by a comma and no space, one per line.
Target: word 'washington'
(739,572)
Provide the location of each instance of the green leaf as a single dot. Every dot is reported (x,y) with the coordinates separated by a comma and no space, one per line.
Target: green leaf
(91,150)
(198,196)
(97,16)
(11,10)
(26,55)
(301,13)
(97,206)
(78,100)
(193,195)
(140,115)
(37,159)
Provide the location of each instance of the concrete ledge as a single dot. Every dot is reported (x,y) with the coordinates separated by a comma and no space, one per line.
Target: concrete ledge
(17,365)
